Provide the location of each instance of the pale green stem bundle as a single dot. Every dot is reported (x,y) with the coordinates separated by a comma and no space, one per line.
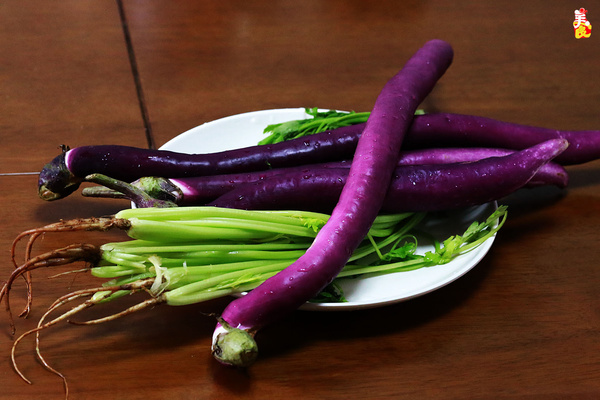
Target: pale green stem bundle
(223,251)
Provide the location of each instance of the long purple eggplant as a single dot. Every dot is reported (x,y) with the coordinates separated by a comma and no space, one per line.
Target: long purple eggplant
(63,175)
(200,190)
(414,187)
(467,130)
(359,203)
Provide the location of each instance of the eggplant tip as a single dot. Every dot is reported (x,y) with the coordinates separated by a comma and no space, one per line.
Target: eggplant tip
(47,194)
(234,347)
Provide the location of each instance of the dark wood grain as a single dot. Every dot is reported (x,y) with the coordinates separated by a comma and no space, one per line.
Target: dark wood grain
(524,324)
(65,80)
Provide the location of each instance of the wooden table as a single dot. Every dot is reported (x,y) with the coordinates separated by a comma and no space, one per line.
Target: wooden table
(523,324)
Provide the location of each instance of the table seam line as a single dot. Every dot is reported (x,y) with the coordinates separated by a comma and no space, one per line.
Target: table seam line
(136,76)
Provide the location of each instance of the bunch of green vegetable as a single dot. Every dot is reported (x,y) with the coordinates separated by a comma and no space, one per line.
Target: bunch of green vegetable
(188,255)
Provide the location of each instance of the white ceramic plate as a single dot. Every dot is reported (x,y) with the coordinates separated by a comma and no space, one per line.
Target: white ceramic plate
(246,129)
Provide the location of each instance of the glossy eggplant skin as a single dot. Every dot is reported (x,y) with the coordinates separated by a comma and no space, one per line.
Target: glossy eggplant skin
(413,188)
(63,175)
(200,190)
(359,202)
(452,130)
